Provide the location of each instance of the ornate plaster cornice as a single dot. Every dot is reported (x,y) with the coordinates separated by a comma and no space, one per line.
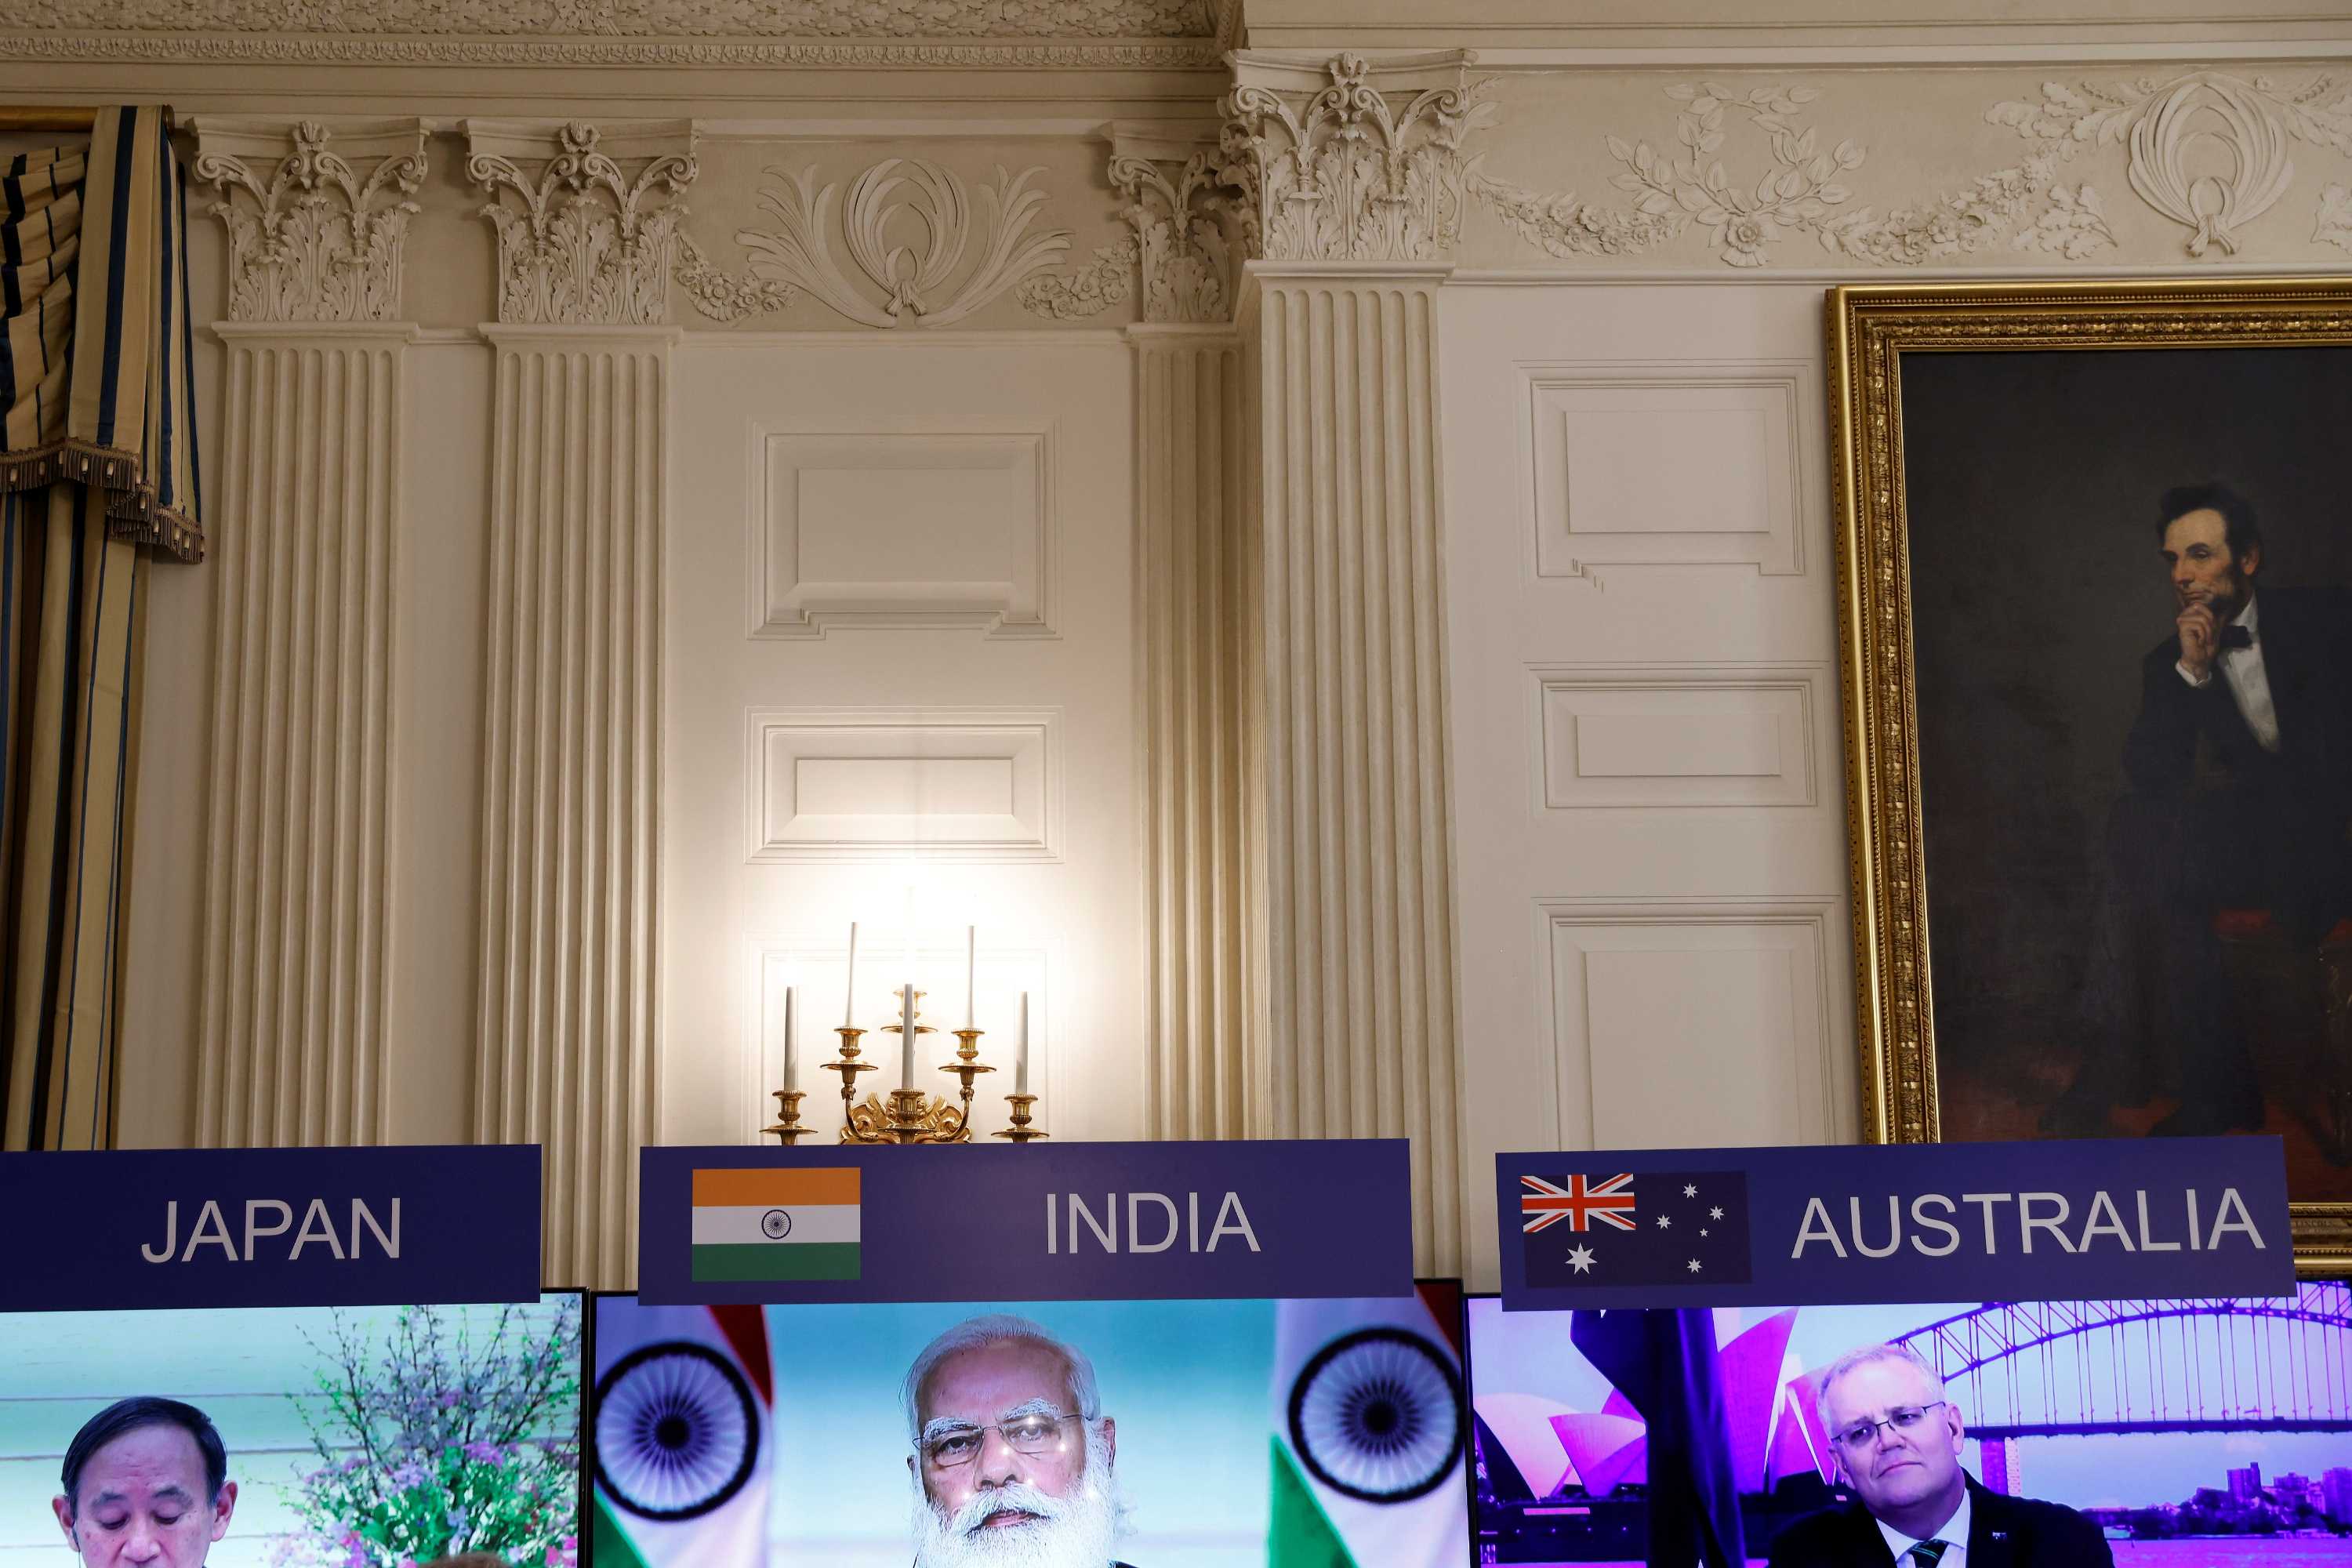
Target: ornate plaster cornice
(744,19)
(312,239)
(1352,160)
(581,243)
(932,54)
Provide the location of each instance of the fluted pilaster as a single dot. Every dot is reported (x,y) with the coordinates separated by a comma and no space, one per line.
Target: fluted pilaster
(1205,1023)
(291,1048)
(571,875)
(1360,977)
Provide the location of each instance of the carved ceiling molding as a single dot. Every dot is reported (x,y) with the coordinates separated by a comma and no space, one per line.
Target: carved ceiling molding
(669,19)
(1369,167)
(2206,150)
(185,48)
(312,239)
(582,242)
(904,229)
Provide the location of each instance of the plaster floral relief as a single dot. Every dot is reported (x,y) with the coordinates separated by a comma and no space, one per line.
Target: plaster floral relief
(1109,279)
(723,295)
(631,18)
(1751,169)
(2334,225)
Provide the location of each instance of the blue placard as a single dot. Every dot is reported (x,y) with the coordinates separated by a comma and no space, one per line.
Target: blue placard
(1047,1223)
(2095,1219)
(269,1227)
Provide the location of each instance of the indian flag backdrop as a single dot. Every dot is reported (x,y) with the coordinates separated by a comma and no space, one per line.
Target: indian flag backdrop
(683,1420)
(1371,1420)
(769,1223)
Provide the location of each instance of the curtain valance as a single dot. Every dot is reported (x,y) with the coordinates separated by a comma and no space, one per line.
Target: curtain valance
(97,362)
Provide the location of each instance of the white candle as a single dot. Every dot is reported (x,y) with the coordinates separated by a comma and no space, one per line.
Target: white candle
(849,995)
(970,971)
(907,1035)
(792,1046)
(1020,1051)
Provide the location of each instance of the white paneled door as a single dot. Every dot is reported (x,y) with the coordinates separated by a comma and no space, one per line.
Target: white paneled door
(901,664)
(1649,860)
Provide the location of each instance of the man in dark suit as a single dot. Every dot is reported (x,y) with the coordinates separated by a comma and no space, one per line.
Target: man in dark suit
(1897,1437)
(2239,799)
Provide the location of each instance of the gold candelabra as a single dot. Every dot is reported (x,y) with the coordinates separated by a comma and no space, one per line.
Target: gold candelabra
(909,1116)
(1020,1132)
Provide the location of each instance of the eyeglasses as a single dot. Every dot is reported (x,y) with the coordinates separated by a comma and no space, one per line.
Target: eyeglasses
(1028,1435)
(1863,1433)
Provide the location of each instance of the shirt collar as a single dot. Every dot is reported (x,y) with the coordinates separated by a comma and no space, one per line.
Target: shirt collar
(1953,1531)
(2246,617)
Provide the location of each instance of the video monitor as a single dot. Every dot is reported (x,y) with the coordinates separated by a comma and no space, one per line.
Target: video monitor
(343,1438)
(1250,1434)
(2190,1433)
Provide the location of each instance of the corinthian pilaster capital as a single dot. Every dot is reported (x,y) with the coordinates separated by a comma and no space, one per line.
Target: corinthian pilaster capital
(1191,226)
(583,240)
(310,238)
(1352,160)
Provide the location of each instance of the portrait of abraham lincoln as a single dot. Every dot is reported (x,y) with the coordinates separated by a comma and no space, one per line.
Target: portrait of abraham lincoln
(2130,577)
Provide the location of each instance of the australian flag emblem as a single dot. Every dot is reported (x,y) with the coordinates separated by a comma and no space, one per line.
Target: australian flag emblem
(1657,1227)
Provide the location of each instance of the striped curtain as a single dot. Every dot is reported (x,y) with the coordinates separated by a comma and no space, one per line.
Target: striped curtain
(98,461)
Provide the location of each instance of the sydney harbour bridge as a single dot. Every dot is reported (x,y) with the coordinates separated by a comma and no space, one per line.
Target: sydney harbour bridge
(2069,1368)
(1564,1485)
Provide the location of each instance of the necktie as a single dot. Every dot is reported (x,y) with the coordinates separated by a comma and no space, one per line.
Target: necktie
(2236,636)
(1927,1554)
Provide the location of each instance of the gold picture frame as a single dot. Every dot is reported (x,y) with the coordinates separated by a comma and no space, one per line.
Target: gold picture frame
(1870,329)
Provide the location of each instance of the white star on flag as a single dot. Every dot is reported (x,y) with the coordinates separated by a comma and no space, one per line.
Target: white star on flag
(1664,1222)
(1689,1191)
(1715,1213)
(1694,1265)
(1580,1259)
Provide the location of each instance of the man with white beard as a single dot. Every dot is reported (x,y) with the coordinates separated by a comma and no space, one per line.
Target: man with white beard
(1013,1454)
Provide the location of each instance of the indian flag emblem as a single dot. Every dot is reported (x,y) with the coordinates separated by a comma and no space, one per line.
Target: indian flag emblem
(792,1224)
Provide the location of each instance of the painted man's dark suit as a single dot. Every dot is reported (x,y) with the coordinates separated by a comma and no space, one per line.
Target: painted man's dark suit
(2003,1532)
(2210,821)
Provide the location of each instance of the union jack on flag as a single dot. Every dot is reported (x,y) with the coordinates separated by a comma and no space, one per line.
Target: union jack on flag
(1583,1203)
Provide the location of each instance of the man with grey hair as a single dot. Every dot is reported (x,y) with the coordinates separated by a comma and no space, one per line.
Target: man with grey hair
(1897,1437)
(1012,1456)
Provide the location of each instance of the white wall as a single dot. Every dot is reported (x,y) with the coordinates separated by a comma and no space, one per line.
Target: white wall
(1649,817)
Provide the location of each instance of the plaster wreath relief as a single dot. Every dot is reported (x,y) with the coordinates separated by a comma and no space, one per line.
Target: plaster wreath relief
(886,283)
(586,246)
(2208,151)
(318,243)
